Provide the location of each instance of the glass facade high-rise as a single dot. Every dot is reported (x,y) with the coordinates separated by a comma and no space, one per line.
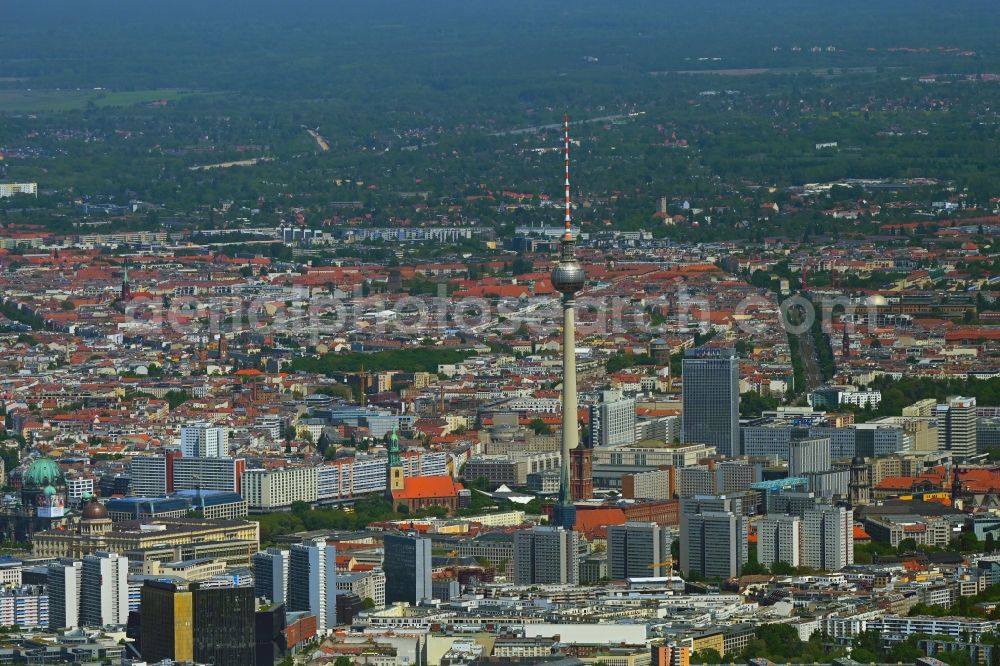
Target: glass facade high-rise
(185,622)
(224,626)
(270,573)
(711,399)
(407,568)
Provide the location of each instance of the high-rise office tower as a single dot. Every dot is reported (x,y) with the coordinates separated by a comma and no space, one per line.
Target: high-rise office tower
(546,555)
(779,539)
(791,502)
(270,574)
(808,456)
(166,622)
(204,440)
(312,581)
(407,568)
(188,623)
(828,538)
(638,550)
(957,427)
(224,626)
(735,476)
(64,580)
(711,399)
(149,475)
(612,420)
(713,536)
(270,628)
(568,278)
(715,544)
(699,503)
(104,590)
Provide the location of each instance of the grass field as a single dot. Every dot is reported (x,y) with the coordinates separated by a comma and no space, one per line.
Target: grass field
(26,101)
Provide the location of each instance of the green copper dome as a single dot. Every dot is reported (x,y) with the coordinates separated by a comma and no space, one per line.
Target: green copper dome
(49,491)
(43,472)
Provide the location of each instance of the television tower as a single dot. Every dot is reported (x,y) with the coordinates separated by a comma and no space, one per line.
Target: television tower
(567,278)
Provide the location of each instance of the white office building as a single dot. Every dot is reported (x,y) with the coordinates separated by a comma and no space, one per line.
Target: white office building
(268,490)
(828,538)
(104,590)
(13,189)
(365,584)
(546,555)
(779,539)
(26,606)
(956,420)
(204,440)
(713,536)
(808,456)
(612,420)
(639,550)
(208,473)
(63,580)
(78,487)
(312,581)
(148,476)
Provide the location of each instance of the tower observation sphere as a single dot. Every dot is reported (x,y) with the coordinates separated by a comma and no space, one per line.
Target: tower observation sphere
(568,276)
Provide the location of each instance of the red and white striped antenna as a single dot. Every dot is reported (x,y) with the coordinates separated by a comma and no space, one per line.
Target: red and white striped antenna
(569,219)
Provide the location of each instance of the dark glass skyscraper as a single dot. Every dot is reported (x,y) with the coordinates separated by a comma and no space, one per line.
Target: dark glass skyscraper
(224,626)
(407,568)
(711,399)
(184,622)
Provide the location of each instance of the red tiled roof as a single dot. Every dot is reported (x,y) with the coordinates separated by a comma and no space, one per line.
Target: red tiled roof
(588,520)
(418,487)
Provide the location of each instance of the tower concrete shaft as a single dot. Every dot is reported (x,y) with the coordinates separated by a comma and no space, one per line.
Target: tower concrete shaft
(568,278)
(570,435)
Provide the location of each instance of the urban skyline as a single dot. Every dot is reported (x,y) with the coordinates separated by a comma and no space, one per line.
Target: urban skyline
(441,334)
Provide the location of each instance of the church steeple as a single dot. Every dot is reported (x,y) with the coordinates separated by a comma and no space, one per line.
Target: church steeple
(394,460)
(126,293)
(397,478)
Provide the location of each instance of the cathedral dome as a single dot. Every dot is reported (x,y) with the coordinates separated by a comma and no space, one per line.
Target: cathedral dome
(43,472)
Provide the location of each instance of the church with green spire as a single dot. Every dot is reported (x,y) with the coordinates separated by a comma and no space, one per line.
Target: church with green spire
(397,479)
(126,293)
(418,492)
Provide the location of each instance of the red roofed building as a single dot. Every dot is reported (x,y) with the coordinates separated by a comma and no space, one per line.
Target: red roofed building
(597,519)
(420,492)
